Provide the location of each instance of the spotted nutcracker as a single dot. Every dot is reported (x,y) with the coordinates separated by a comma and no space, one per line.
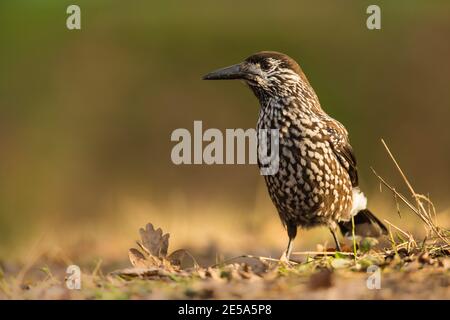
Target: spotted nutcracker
(317,180)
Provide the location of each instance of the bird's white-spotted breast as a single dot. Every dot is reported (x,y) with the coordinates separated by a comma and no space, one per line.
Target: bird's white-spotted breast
(311,186)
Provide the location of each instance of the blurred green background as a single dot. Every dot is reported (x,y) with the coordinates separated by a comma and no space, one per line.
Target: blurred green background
(86,116)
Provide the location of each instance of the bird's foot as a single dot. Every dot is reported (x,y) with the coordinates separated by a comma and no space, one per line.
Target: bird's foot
(284,260)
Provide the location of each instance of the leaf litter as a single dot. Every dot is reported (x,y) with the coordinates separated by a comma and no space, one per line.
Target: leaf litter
(403,260)
(410,268)
(250,276)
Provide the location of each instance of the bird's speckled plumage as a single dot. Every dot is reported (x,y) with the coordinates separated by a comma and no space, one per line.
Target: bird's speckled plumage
(317,180)
(317,169)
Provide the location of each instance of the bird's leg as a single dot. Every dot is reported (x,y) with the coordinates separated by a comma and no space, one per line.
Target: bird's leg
(333,230)
(287,253)
(292,233)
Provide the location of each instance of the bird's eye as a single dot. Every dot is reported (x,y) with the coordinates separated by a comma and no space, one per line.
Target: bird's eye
(265,65)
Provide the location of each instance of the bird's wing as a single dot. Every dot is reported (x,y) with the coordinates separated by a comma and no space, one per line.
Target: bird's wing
(338,138)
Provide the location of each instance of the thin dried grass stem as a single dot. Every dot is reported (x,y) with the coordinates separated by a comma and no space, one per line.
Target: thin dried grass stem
(408,184)
(251,257)
(397,228)
(325,253)
(402,197)
(420,210)
(410,241)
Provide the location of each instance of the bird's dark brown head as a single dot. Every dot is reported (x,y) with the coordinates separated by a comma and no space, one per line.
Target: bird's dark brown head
(268,73)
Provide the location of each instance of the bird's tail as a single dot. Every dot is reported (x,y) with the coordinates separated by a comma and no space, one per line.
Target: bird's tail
(366,225)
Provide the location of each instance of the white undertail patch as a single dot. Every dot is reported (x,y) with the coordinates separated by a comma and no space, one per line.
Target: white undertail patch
(359,201)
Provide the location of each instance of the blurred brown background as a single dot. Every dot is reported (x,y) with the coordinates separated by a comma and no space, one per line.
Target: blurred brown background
(86,116)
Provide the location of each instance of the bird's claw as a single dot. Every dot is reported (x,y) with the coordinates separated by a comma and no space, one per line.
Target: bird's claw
(284,260)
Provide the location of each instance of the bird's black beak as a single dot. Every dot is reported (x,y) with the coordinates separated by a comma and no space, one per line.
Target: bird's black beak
(228,73)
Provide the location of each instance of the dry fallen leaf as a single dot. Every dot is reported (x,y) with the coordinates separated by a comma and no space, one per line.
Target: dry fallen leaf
(152,260)
(212,273)
(145,273)
(426,258)
(137,258)
(153,241)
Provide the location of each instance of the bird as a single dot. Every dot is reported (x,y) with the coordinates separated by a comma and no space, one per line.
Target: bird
(317,180)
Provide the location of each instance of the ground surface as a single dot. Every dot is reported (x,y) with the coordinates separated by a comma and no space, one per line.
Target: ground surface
(405,271)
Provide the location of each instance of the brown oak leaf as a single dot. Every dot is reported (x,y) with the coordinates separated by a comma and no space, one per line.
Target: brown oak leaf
(152,260)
